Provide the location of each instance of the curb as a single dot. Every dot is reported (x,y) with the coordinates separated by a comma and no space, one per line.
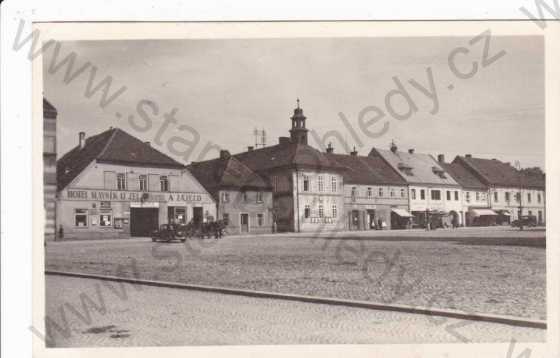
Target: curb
(508,320)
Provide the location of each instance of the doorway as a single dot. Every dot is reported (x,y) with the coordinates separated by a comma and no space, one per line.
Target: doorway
(244,223)
(143,221)
(198,215)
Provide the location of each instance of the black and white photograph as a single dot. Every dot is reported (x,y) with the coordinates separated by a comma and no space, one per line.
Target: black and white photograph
(292,184)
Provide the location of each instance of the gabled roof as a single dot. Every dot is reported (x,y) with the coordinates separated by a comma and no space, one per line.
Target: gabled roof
(286,155)
(463,176)
(364,170)
(48,110)
(497,173)
(113,146)
(226,173)
(416,168)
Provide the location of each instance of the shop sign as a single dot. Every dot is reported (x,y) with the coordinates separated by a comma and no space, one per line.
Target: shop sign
(106,196)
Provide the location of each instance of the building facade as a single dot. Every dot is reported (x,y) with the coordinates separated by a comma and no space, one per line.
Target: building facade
(511,192)
(375,197)
(475,198)
(307,187)
(113,185)
(434,196)
(49,168)
(244,199)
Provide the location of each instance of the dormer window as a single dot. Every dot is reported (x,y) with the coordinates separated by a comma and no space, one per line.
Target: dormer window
(407,169)
(439,172)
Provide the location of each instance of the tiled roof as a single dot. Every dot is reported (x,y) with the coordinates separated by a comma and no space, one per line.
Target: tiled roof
(498,173)
(113,146)
(463,176)
(226,173)
(286,155)
(415,168)
(364,170)
(48,109)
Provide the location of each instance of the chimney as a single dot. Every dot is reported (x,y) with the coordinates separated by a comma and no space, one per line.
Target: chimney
(250,148)
(411,151)
(148,143)
(82,139)
(468,155)
(330,148)
(441,158)
(224,154)
(283,140)
(354,152)
(393,147)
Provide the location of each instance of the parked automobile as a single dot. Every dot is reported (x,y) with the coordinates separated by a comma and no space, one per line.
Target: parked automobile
(525,220)
(169,232)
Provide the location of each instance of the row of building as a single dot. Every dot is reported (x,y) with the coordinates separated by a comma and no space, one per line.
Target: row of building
(114,185)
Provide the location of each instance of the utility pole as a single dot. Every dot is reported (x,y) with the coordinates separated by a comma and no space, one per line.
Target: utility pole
(518,167)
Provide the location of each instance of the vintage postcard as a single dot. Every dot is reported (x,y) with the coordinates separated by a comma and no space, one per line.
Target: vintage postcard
(297,188)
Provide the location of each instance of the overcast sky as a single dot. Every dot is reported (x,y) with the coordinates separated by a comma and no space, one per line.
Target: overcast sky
(226,88)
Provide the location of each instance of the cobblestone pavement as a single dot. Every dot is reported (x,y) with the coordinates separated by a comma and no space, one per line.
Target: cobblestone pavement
(165,316)
(483,270)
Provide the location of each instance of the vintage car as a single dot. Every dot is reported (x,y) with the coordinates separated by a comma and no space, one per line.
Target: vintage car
(525,220)
(169,232)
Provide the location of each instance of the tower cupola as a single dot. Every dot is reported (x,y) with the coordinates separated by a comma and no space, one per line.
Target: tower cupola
(298,132)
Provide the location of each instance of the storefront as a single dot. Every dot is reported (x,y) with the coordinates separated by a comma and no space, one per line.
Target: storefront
(118,214)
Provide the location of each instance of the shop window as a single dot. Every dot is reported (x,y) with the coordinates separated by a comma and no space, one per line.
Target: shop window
(260,219)
(448,193)
(105,220)
(435,194)
(456,195)
(334,211)
(180,215)
(143,179)
(307,211)
(422,194)
(320,183)
(333,184)
(164,183)
(121,181)
(259,197)
(413,194)
(81,217)
(305,183)
(321,211)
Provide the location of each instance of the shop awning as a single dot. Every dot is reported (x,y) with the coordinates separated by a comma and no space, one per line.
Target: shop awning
(402,213)
(504,212)
(483,212)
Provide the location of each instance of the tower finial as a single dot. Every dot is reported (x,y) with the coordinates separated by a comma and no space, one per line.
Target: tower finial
(297,102)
